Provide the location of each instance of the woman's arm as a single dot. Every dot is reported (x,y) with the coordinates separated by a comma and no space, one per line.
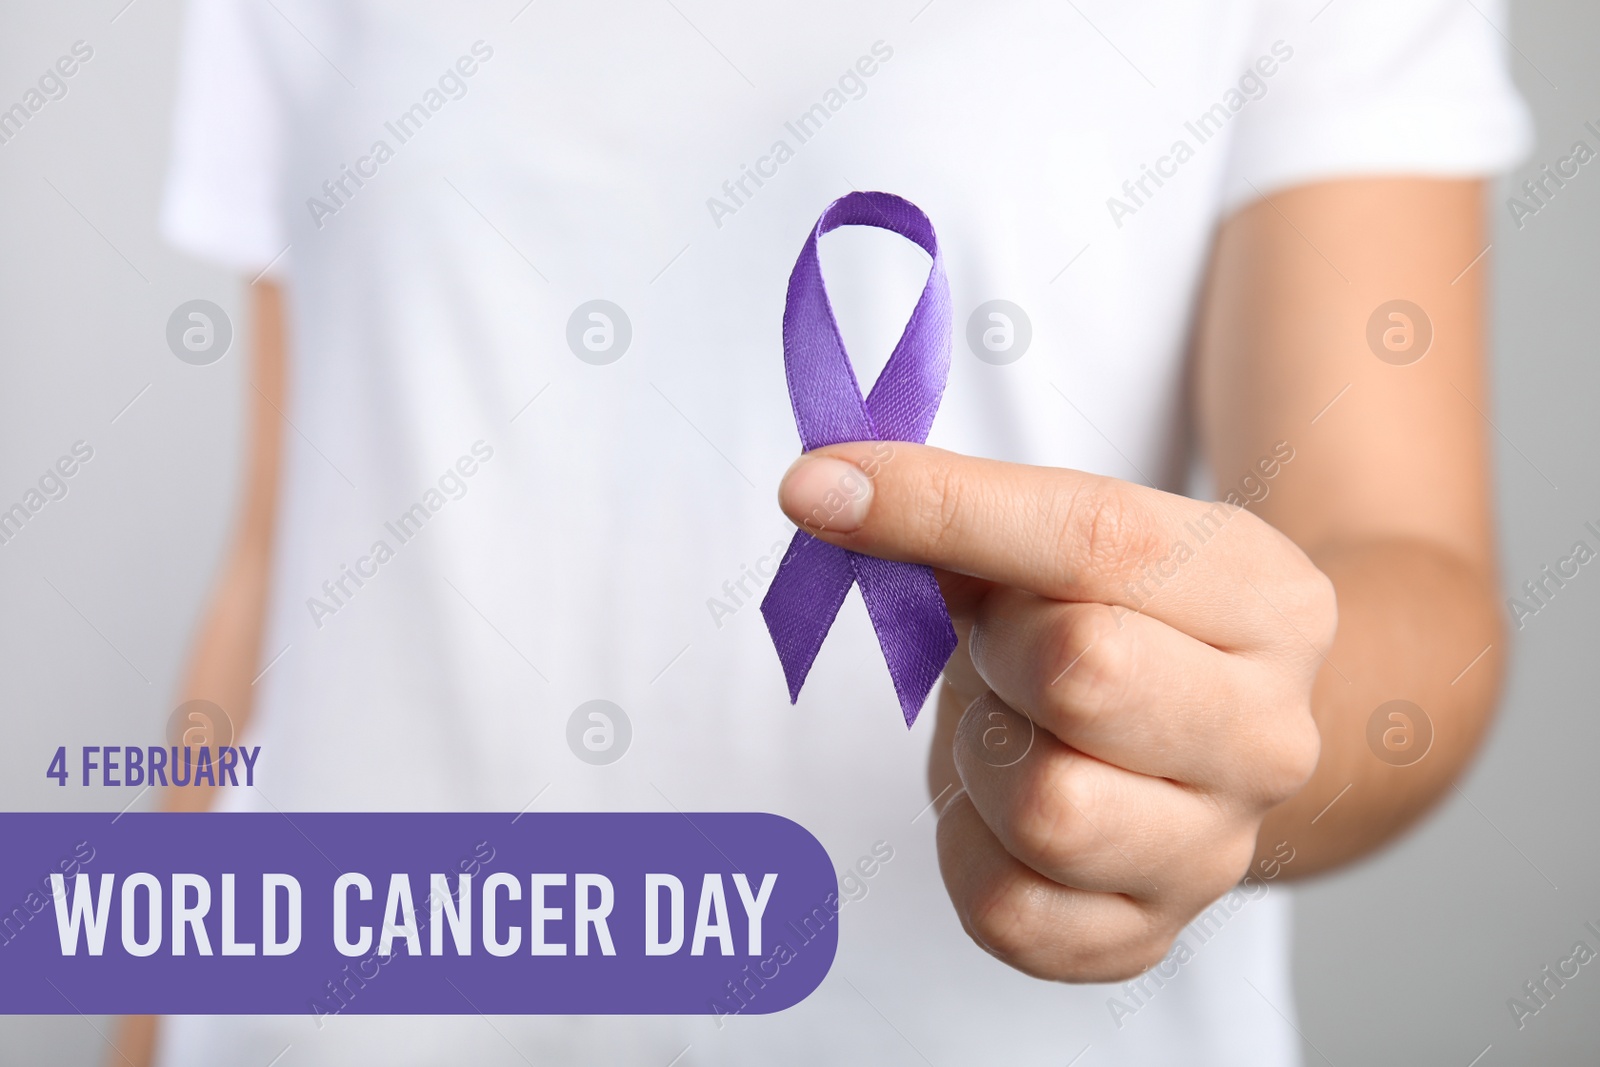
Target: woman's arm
(1154,696)
(228,646)
(1389,488)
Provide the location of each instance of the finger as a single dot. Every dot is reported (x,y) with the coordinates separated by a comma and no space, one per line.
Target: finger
(962,594)
(1136,693)
(1033,924)
(1059,533)
(1083,823)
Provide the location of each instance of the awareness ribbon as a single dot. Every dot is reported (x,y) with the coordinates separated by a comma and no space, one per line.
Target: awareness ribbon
(903,599)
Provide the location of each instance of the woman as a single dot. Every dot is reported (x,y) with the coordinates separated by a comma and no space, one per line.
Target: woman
(551,243)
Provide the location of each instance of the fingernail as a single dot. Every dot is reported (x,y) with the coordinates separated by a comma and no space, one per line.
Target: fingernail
(821,493)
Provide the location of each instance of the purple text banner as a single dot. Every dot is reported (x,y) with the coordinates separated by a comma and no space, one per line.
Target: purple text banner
(388,913)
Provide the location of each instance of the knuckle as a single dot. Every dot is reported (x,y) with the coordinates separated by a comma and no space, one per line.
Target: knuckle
(1106,532)
(1249,525)
(1296,589)
(1307,597)
(1019,922)
(1048,823)
(1304,752)
(1212,891)
(1000,916)
(1322,605)
(1233,860)
(942,505)
(1146,953)
(1294,758)
(1096,659)
(1116,954)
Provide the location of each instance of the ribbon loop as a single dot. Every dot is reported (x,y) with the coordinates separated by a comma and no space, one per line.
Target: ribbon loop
(903,600)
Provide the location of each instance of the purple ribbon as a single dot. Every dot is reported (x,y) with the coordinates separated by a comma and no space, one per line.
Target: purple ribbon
(903,599)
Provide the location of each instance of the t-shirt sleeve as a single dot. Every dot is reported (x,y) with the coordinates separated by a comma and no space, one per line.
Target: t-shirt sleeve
(221,202)
(1379,87)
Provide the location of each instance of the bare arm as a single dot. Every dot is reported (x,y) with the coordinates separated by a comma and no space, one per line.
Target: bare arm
(1389,488)
(227,647)
(1388,491)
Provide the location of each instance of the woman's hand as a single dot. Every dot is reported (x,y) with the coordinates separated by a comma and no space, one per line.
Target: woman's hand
(1141,668)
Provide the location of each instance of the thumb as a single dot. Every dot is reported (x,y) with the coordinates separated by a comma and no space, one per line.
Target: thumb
(832,494)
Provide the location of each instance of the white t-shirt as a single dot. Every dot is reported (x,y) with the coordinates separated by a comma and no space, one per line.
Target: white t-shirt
(440,187)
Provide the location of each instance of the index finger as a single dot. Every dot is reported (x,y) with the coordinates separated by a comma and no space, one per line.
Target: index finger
(1056,532)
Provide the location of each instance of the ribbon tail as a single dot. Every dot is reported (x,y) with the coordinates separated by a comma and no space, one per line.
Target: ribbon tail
(802,601)
(913,626)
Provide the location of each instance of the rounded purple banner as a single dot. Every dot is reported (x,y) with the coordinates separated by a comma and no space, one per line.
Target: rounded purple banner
(388,913)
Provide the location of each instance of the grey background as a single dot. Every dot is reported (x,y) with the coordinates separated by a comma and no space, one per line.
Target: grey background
(1408,958)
